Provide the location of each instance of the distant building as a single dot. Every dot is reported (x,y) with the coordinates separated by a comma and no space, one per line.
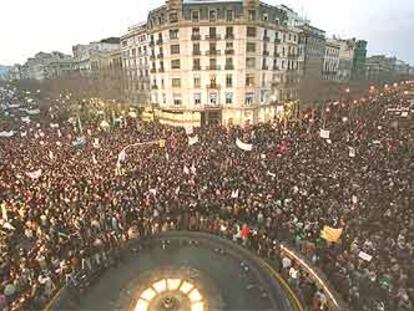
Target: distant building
(331,60)
(359,61)
(380,67)
(37,67)
(14,73)
(312,44)
(135,60)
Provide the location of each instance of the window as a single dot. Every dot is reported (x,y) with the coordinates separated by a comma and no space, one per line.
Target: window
(175,64)
(251,62)
(290,37)
(229,81)
(249,99)
(251,47)
(229,63)
(174,34)
(164,98)
(294,38)
(229,32)
(177,99)
(133,52)
(196,49)
(124,43)
(197,98)
(229,15)
(213,63)
(263,96)
(229,98)
(213,46)
(175,49)
(162,83)
(213,98)
(196,64)
(195,16)
(176,82)
(197,82)
(265,17)
(212,32)
(252,15)
(212,15)
(250,80)
(251,31)
(173,17)
(229,45)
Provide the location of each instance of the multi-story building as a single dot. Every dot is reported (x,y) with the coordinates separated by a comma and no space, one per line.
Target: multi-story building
(135,61)
(37,67)
(83,53)
(380,67)
(359,61)
(331,60)
(312,46)
(220,61)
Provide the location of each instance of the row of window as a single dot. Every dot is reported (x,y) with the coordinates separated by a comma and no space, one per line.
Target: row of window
(174,34)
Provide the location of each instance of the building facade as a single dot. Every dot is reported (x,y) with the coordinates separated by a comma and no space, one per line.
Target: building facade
(312,47)
(220,61)
(359,61)
(380,67)
(38,67)
(331,60)
(135,62)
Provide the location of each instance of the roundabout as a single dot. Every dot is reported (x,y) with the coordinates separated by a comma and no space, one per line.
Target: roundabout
(183,271)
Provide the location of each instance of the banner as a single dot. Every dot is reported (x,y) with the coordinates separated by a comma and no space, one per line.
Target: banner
(189,130)
(54,125)
(365,256)
(6,134)
(324,134)
(331,234)
(122,156)
(244,146)
(351,152)
(33,111)
(186,170)
(34,174)
(192,140)
(235,194)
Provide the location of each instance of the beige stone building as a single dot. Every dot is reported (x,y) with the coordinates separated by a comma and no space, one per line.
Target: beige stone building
(135,62)
(230,61)
(331,60)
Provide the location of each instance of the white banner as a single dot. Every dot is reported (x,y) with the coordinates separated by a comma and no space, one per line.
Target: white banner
(324,134)
(351,152)
(6,134)
(365,256)
(33,111)
(192,140)
(244,146)
(34,174)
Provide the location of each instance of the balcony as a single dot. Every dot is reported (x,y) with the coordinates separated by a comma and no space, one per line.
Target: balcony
(229,51)
(213,86)
(265,53)
(213,52)
(154,87)
(265,67)
(161,69)
(266,38)
(292,55)
(276,68)
(214,67)
(152,57)
(196,68)
(213,37)
(152,43)
(195,52)
(229,67)
(153,70)
(159,41)
(276,54)
(277,41)
(161,55)
(196,37)
(229,36)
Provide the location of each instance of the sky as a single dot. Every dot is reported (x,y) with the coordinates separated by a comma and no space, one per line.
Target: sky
(27,26)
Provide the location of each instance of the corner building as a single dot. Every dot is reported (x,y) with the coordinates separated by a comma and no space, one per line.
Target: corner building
(229,62)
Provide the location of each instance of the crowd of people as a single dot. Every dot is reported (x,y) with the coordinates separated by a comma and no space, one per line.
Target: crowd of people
(70,203)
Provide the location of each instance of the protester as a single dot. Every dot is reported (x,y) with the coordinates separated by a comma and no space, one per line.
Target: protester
(69,204)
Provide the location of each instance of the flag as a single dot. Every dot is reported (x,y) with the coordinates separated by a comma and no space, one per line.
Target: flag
(192,140)
(324,134)
(95,143)
(235,194)
(167,156)
(34,174)
(51,155)
(54,125)
(4,211)
(331,234)
(162,143)
(59,133)
(186,170)
(94,160)
(122,156)
(244,146)
(351,152)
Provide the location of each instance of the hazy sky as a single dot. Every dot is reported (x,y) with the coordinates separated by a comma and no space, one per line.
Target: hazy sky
(29,26)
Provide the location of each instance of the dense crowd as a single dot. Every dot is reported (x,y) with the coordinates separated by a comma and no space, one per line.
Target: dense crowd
(68,204)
